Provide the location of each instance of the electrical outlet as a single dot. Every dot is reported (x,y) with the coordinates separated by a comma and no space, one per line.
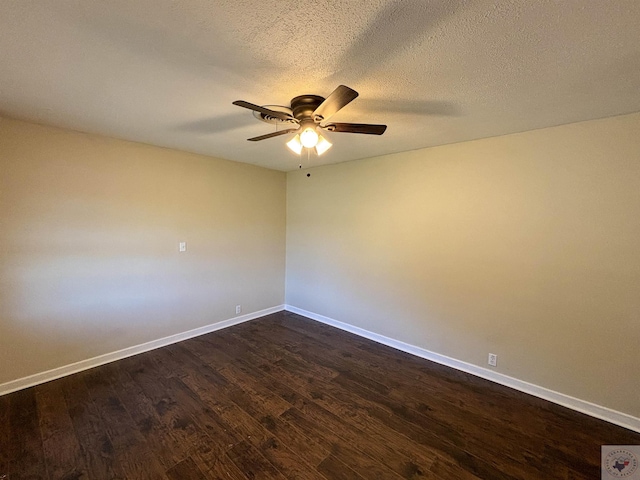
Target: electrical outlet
(493,359)
(182,246)
(238,309)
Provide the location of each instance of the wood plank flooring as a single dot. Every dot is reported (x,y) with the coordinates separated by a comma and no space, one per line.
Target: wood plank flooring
(286,397)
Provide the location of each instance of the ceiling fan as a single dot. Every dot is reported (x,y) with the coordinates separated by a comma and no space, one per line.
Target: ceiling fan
(306,118)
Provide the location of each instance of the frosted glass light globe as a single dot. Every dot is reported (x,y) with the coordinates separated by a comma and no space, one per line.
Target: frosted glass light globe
(323,145)
(295,145)
(309,138)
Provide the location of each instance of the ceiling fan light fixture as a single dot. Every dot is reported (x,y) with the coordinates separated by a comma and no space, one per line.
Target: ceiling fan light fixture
(323,145)
(294,145)
(309,137)
(305,117)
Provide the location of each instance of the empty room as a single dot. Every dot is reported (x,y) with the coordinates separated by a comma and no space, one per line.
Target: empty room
(320,240)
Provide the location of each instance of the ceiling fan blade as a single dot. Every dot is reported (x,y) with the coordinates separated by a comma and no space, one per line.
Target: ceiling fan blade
(266,111)
(340,97)
(273,134)
(365,128)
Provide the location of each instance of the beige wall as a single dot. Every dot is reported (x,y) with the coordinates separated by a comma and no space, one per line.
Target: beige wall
(89,232)
(526,245)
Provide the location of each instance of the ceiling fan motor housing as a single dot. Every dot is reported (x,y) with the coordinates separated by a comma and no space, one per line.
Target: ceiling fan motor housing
(303,106)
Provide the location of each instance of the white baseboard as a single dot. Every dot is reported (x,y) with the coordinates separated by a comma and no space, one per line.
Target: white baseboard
(582,406)
(76,367)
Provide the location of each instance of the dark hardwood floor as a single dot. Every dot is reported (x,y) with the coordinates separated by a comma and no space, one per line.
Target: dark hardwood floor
(286,397)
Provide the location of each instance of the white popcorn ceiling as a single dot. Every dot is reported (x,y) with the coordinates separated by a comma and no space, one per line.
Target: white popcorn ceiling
(436,72)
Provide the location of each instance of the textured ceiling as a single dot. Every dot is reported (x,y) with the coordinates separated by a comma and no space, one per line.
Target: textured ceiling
(439,71)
